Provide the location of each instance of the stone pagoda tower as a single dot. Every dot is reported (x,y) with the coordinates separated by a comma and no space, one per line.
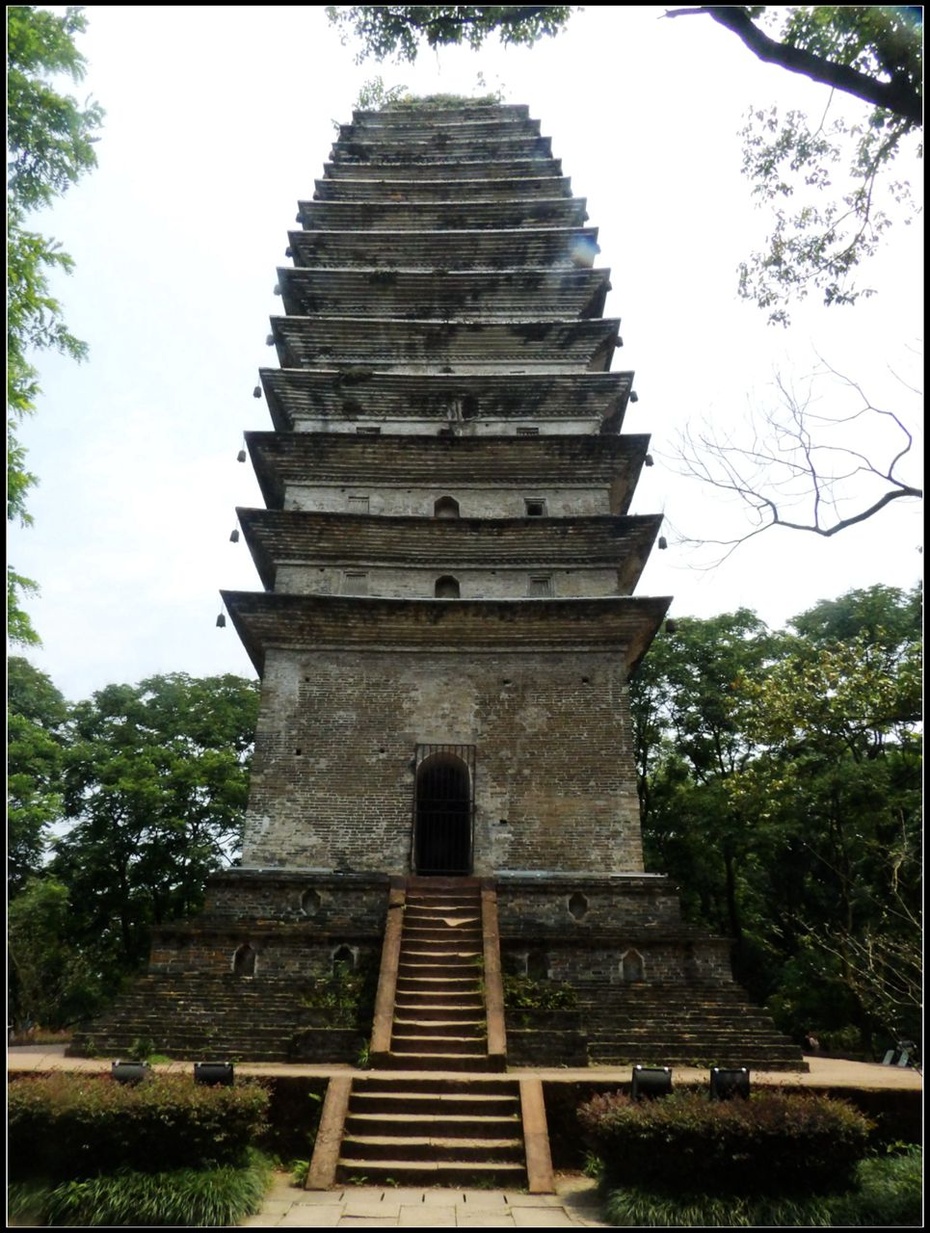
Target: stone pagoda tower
(448,622)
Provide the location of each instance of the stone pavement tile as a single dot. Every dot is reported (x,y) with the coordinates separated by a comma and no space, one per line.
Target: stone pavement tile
(424,1215)
(500,1219)
(312,1216)
(515,1199)
(539,1217)
(371,1205)
(366,1222)
(484,1200)
(442,1197)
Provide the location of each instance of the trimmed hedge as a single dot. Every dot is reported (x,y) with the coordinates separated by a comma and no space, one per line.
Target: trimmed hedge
(75,1126)
(773,1143)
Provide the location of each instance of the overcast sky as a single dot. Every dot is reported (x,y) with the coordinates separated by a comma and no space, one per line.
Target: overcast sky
(218,121)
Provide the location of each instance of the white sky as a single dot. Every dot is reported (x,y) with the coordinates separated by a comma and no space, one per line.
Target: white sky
(218,121)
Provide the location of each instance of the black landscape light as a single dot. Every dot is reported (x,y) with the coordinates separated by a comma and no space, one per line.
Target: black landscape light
(129,1072)
(651,1081)
(725,1084)
(217,1074)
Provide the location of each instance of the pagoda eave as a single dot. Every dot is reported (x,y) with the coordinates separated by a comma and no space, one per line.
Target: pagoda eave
(281,460)
(623,625)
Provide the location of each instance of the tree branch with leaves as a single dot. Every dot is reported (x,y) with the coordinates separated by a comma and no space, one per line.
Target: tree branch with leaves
(50,145)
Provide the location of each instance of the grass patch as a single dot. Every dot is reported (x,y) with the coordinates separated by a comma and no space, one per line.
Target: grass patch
(190,1198)
(886,1192)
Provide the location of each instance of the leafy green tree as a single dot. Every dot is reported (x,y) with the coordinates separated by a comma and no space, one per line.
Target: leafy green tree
(782,791)
(871,53)
(398,29)
(156,783)
(49,147)
(36,739)
(51,983)
(691,707)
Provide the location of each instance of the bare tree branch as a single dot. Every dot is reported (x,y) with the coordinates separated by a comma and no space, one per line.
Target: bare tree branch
(800,469)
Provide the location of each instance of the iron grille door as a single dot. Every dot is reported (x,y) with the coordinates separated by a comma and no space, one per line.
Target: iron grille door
(444,809)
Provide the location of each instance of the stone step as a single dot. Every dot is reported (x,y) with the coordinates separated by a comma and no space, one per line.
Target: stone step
(423,1011)
(446,1043)
(422,1110)
(438,1148)
(470,1174)
(428,1061)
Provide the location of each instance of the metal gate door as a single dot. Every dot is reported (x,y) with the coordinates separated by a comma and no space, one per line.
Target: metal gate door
(443,809)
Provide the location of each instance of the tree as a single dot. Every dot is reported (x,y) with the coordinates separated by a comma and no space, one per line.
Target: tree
(782,791)
(398,29)
(155,787)
(801,469)
(690,703)
(870,53)
(36,740)
(49,147)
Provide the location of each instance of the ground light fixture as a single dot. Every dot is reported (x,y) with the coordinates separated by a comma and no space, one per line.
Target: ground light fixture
(651,1081)
(725,1084)
(217,1074)
(129,1072)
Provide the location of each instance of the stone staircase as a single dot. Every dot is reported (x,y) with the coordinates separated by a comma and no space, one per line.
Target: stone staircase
(693,1024)
(440,1020)
(440,1131)
(427,1123)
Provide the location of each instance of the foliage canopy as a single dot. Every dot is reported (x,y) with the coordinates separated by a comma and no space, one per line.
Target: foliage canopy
(50,145)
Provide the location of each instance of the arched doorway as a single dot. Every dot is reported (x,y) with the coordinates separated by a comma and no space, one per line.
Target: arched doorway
(443,815)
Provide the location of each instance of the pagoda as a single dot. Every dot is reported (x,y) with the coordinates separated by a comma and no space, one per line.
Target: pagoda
(447,625)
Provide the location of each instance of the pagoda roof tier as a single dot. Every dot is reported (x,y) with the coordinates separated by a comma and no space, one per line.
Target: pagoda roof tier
(452,214)
(421,188)
(304,537)
(442,294)
(339,394)
(457,169)
(285,459)
(624,624)
(393,344)
(481,119)
(443,145)
(562,247)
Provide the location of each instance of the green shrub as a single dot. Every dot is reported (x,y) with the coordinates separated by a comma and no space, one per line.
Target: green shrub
(773,1143)
(192,1198)
(886,1191)
(68,1126)
(525,993)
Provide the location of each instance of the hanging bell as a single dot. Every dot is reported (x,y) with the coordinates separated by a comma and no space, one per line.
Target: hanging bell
(221,622)
(257,392)
(234,537)
(663,542)
(240,457)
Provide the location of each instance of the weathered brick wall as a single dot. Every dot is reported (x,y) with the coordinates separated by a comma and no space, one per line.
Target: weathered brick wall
(333,775)
(473,583)
(409,426)
(474,501)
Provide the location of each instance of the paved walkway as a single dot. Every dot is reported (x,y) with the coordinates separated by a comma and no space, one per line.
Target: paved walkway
(575,1203)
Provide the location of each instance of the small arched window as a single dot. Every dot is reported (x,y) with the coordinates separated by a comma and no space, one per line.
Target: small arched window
(447,587)
(244,961)
(632,967)
(446,507)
